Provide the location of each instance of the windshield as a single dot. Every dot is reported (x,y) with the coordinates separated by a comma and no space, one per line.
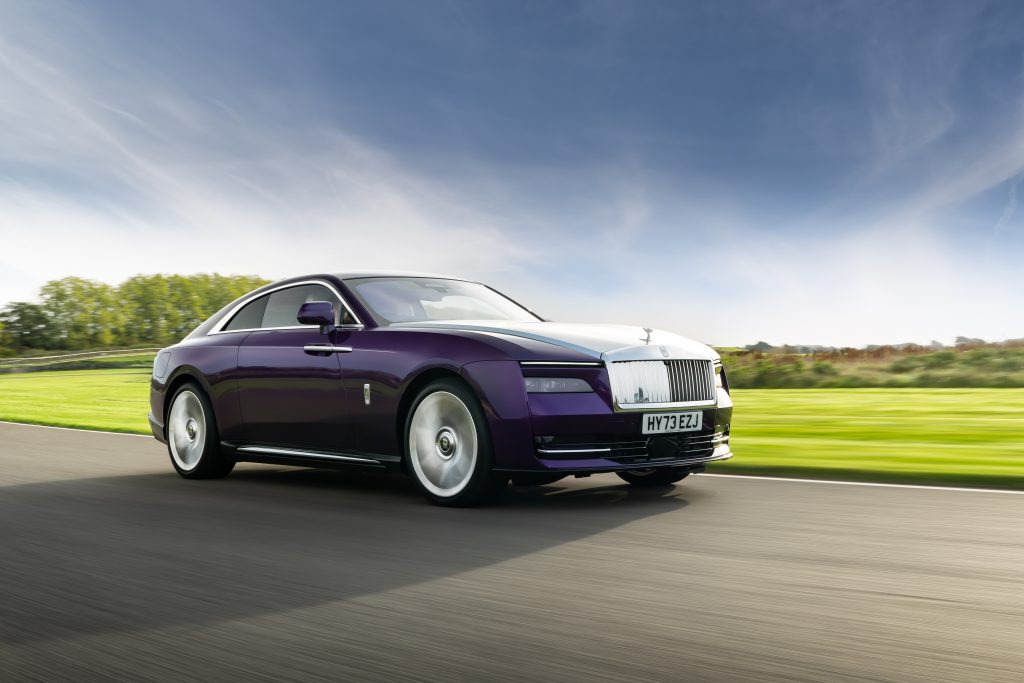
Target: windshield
(421,299)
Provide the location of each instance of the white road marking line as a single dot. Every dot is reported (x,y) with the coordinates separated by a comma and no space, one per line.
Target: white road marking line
(74,429)
(925,487)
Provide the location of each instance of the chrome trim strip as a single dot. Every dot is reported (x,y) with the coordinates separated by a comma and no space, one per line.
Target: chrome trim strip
(546,451)
(219,327)
(295,453)
(561,363)
(692,405)
(286,327)
(326,348)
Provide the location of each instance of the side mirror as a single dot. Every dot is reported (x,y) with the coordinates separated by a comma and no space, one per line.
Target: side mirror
(317,313)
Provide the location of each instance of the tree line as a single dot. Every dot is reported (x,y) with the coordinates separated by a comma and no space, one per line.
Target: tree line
(74,313)
(971,363)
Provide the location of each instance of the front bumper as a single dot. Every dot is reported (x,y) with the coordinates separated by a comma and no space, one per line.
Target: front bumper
(594,465)
(157,429)
(580,433)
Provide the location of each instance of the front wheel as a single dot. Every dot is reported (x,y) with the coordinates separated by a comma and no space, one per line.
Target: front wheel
(650,477)
(449,446)
(192,438)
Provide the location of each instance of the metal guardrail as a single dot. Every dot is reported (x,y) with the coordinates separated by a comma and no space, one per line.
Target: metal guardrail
(70,357)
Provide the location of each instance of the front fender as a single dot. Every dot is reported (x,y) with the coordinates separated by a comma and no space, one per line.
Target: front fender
(500,386)
(213,368)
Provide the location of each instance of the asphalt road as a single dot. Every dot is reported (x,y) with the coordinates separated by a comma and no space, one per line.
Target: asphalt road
(111,566)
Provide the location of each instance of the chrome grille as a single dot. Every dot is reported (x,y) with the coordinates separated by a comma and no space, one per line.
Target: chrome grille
(640,383)
(691,380)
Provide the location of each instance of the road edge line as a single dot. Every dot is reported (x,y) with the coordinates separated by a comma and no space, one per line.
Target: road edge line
(876,484)
(74,429)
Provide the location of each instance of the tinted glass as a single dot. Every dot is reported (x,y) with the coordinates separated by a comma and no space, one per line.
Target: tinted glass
(283,305)
(250,317)
(418,299)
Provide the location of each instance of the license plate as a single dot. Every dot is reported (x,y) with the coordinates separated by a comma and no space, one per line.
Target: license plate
(667,423)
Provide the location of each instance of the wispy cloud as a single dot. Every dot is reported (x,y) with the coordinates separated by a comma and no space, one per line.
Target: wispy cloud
(1011,207)
(141,176)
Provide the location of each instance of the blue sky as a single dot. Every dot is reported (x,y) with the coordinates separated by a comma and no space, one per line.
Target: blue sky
(838,173)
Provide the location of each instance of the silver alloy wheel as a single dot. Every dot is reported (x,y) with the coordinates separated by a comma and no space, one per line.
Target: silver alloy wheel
(186,430)
(443,444)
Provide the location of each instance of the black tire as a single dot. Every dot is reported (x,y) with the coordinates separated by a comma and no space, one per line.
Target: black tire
(658,477)
(449,442)
(193,441)
(535,478)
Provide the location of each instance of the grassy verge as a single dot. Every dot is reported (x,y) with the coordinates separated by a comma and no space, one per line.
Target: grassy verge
(971,437)
(968,437)
(116,400)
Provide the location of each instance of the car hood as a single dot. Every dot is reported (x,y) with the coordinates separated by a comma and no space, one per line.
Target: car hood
(603,342)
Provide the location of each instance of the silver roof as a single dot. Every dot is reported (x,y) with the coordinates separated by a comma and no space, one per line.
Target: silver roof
(397,273)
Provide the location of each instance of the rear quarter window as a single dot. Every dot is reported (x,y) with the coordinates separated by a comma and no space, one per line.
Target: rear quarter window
(250,317)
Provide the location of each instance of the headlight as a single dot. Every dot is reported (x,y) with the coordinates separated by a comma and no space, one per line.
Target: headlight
(556,385)
(718,377)
(160,364)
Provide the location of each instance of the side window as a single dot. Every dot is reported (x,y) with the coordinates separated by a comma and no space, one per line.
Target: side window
(250,317)
(282,306)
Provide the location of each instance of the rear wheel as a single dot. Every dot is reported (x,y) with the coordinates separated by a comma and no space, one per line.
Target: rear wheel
(449,446)
(192,438)
(654,477)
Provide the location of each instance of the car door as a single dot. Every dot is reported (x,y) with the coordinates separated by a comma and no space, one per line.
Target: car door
(290,389)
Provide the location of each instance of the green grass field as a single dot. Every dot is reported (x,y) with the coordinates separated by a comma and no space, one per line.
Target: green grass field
(972,437)
(116,400)
(969,437)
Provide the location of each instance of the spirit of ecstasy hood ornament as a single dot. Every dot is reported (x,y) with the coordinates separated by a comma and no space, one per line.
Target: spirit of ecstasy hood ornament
(647,339)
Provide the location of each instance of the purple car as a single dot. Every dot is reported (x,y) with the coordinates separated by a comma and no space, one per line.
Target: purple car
(445,379)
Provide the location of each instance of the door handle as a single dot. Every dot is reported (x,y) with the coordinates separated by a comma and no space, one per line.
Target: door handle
(317,349)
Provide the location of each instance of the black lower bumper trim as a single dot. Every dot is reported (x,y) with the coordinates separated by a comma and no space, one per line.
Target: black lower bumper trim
(694,464)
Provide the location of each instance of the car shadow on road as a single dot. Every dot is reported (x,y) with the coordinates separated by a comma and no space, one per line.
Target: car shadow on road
(147,551)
